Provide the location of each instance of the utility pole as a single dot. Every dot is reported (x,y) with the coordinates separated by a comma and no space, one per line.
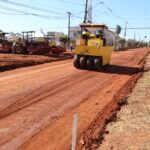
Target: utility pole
(134,38)
(125,32)
(139,40)
(69,16)
(86,12)
(89,11)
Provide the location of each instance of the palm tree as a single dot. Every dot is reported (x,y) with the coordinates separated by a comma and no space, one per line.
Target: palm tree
(118,31)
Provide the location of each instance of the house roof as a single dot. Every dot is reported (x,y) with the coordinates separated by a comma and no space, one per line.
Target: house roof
(28,32)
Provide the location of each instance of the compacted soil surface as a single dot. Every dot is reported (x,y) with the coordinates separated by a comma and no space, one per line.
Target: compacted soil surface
(37,103)
(132,129)
(13,61)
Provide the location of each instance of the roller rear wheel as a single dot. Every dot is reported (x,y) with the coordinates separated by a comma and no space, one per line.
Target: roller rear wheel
(82,62)
(97,64)
(89,63)
(76,61)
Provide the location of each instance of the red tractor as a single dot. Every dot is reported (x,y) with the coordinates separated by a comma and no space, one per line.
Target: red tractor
(5,46)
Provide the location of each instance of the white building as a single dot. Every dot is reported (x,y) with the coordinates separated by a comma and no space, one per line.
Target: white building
(75,32)
(56,35)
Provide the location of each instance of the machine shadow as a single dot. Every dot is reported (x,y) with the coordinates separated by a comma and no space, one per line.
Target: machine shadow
(121,70)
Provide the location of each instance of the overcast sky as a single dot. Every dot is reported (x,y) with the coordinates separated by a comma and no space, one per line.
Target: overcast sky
(50,15)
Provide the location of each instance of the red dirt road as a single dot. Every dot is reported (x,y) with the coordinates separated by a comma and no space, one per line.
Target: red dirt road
(37,103)
(13,61)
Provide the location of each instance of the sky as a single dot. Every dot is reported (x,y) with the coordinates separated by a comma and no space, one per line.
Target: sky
(51,15)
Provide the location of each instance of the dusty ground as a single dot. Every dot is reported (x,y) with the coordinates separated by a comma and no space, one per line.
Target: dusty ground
(37,103)
(132,129)
(12,61)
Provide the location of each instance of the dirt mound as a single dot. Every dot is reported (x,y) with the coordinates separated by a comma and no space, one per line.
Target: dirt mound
(13,61)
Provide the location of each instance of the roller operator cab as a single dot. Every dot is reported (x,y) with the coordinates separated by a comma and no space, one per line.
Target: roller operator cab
(5,45)
(92,50)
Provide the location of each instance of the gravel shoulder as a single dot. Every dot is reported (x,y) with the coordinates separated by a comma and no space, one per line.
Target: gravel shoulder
(132,129)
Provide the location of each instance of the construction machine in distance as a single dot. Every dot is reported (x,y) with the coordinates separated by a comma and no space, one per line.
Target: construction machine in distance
(54,48)
(27,44)
(5,45)
(92,51)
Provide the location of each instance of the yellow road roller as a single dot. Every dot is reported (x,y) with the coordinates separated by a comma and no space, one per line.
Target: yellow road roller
(92,50)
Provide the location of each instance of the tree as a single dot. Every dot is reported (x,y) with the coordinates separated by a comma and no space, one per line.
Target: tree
(64,40)
(118,31)
(122,41)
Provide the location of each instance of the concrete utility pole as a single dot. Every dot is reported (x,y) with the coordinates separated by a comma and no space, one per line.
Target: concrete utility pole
(69,16)
(90,11)
(134,38)
(86,12)
(125,32)
(139,38)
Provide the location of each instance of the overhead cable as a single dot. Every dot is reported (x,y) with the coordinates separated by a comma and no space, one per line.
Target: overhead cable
(72,2)
(33,14)
(31,7)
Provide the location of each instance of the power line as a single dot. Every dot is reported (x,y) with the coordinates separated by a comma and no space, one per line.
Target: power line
(72,2)
(138,19)
(107,7)
(74,16)
(48,5)
(135,28)
(27,13)
(81,12)
(31,7)
(6,13)
(102,3)
(111,12)
(33,14)
(36,8)
(96,5)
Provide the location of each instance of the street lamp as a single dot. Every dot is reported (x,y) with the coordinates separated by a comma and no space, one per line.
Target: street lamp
(69,15)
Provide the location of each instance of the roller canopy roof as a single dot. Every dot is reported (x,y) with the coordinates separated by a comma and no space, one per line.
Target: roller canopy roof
(93,25)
